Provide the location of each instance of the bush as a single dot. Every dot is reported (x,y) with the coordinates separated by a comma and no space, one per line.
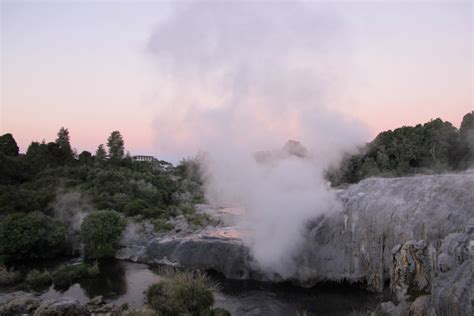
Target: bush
(33,235)
(182,293)
(100,232)
(36,278)
(134,207)
(65,275)
(162,226)
(9,277)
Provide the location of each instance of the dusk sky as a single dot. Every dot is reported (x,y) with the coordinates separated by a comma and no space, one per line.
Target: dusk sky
(88,66)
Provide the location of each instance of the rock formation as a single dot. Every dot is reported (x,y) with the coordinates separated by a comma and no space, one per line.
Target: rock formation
(416,232)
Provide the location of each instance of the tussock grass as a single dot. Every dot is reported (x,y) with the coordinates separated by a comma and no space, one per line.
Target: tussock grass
(9,277)
(65,275)
(184,293)
(37,278)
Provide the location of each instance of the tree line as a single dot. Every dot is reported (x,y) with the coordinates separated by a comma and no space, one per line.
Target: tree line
(35,187)
(432,147)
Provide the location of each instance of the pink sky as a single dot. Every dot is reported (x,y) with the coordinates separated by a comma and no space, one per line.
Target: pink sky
(85,66)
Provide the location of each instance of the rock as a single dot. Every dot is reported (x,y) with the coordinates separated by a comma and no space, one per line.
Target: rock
(98,300)
(18,303)
(416,231)
(63,306)
(412,269)
(99,306)
(453,288)
(420,307)
(223,255)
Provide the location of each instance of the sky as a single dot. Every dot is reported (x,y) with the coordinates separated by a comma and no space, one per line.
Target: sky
(87,66)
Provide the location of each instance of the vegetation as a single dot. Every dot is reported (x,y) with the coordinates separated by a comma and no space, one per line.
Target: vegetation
(9,277)
(182,293)
(33,235)
(37,278)
(31,183)
(161,225)
(115,144)
(65,275)
(100,232)
(435,146)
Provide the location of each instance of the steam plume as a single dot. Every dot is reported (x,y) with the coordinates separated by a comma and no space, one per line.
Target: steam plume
(238,78)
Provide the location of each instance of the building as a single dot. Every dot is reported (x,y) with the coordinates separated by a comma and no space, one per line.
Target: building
(144,158)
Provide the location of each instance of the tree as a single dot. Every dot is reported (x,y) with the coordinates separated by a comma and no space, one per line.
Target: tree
(32,235)
(100,153)
(85,157)
(101,232)
(8,145)
(115,144)
(466,135)
(64,145)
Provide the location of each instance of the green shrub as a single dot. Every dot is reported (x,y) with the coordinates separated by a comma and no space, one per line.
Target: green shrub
(162,226)
(183,293)
(134,207)
(37,278)
(197,219)
(33,235)
(100,232)
(9,277)
(65,275)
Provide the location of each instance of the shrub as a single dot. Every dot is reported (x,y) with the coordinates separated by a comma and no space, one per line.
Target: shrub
(100,232)
(134,207)
(33,235)
(162,226)
(182,293)
(65,275)
(9,277)
(37,278)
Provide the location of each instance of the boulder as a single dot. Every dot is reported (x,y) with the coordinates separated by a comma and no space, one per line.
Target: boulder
(18,303)
(63,306)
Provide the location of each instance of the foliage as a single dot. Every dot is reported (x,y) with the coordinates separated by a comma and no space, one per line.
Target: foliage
(115,144)
(85,157)
(64,144)
(161,225)
(65,275)
(33,235)
(100,153)
(8,146)
(435,146)
(100,232)
(9,277)
(182,293)
(37,278)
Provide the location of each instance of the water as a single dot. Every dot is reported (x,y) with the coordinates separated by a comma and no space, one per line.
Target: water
(119,282)
(125,282)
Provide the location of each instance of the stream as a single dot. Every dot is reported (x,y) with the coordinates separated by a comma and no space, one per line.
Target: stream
(125,282)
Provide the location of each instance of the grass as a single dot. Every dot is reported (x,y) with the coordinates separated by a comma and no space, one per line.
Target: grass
(184,293)
(37,278)
(9,277)
(66,275)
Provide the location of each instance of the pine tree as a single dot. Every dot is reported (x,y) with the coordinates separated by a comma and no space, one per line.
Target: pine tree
(63,143)
(115,144)
(100,153)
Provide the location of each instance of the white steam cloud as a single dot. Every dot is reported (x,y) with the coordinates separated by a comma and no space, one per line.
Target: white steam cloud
(236,78)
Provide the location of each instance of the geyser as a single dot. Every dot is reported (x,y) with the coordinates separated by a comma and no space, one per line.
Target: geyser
(238,78)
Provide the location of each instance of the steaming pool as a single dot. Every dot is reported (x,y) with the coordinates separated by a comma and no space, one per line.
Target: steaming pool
(125,282)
